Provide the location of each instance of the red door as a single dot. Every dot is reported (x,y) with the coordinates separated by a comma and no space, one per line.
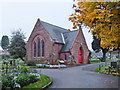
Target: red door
(80,56)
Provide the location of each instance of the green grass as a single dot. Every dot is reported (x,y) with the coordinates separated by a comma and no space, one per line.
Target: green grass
(102,70)
(98,61)
(39,84)
(95,60)
(32,66)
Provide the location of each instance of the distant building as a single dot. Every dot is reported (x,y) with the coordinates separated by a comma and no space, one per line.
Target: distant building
(3,52)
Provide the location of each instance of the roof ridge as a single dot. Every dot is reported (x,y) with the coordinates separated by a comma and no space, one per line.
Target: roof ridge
(54,25)
(70,31)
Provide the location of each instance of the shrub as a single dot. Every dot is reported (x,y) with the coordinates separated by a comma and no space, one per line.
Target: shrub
(8,81)
(57,62)
(5,56)
(31,63)
(24,79)
(25,69)
(46,62)
(32,78)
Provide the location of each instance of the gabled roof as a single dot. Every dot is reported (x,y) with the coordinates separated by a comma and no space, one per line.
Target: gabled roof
(54,31)
(61,35)
(69,38)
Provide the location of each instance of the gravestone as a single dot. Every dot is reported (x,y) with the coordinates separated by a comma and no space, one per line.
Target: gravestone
(11,63)
(114,64)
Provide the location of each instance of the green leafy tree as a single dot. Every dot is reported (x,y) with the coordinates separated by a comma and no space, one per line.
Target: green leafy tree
(17,46)
(4,42)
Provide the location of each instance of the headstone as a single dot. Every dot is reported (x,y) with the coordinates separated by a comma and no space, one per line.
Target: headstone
(114,64)
(109,70)
(14,62)
(99,67)
(11,63)
(118,62)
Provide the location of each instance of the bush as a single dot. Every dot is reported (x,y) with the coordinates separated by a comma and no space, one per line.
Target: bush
(46,62)
(8,81)
(25,69)
(24,79)
(32,78)
(57,62)
(31,63)
(5,56)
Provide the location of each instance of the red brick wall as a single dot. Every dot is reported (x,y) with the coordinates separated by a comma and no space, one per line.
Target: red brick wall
(80,42)
(39,31)
(62,57)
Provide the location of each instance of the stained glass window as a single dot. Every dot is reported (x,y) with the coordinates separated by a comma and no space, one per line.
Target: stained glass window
(42,48)
(38,48)
(34,49)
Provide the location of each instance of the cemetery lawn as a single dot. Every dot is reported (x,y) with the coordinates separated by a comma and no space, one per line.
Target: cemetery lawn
(114,72)
(98,61)
(39,84)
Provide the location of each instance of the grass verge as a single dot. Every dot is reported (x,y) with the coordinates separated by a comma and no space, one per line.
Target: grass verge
(114,72)
(98,61)
(39,84)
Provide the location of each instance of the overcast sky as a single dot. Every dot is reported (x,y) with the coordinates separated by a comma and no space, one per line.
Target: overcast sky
(15,14)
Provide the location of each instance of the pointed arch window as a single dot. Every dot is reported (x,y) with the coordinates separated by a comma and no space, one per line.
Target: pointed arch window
(38,47)
(65,57)
(34,49)
(42,48)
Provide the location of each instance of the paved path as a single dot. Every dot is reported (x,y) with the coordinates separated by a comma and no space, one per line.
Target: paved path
(80,77)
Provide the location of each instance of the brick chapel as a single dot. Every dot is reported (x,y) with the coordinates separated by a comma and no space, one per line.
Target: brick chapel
(51,42)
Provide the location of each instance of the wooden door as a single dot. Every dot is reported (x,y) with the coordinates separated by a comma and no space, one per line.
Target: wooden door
(80,56)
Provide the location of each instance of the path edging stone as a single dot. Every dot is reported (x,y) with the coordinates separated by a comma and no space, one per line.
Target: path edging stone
(46,86)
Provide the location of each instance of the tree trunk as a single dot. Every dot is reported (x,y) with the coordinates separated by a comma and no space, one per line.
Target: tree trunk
(104,56)
(104,51)
(110,54)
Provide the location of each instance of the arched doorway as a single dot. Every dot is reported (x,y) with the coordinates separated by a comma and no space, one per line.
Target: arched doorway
(80,55)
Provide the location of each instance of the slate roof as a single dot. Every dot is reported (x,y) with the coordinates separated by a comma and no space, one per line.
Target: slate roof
(61,35)
(69,38)
(54,31)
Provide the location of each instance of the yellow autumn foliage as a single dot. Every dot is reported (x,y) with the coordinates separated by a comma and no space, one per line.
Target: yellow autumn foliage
(103,18)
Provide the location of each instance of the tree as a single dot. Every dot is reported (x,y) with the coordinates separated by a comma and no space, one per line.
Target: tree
(99,17)
(4,42)
(96,44)
(17,46)
(96,47)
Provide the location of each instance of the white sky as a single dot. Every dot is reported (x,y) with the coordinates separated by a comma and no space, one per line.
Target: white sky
(15,14)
